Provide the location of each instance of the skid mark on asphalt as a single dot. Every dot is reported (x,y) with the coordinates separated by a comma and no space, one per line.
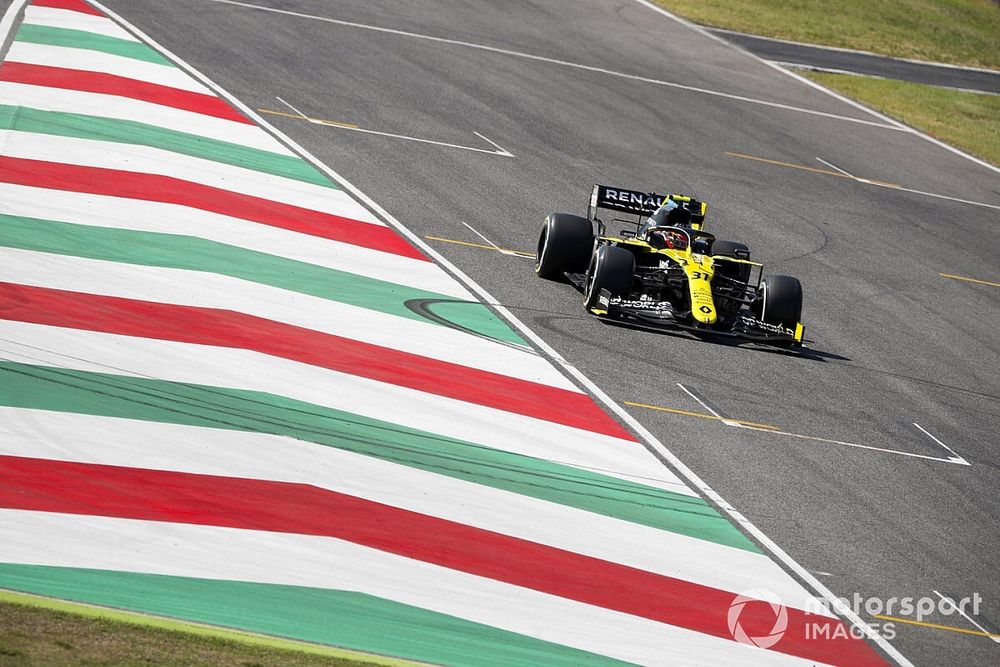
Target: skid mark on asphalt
(840,173)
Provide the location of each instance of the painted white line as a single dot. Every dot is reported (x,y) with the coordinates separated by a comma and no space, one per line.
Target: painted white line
(339,126)
(993,636)
(665,455)
(959,461)
(835,167)
(7,22)
(727,422)
(893,186)
(476,232)
(499,152)
(502,251)
(500,149)
(890,186)
(566,63)
(304,117)
(955,457)
(351,128)
(877,638)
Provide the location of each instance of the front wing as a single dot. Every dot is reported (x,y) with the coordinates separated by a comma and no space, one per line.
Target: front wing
(661,315)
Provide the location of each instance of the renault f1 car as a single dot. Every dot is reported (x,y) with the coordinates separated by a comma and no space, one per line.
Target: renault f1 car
(666,271)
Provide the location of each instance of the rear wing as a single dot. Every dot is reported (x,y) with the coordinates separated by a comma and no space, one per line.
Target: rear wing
(642,204)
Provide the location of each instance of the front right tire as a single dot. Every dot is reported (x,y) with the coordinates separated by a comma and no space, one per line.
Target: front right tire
(611,268)
(781,301)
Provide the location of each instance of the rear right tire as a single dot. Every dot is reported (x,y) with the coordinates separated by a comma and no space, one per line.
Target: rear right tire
(564,246)
(740,272)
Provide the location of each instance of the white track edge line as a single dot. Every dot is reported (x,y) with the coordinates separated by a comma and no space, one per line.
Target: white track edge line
(474,287)
(813,84)
(7,22)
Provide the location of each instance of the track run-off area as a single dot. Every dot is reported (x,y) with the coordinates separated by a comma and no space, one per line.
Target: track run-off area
(252,374)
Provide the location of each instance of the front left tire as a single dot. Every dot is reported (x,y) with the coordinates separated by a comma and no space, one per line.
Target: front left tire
(564,246)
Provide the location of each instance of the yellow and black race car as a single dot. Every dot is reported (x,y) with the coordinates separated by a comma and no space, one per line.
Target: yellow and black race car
(667,271)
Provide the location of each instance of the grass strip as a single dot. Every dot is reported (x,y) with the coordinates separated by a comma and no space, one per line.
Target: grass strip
(969,121)
(36,630)
(959,32)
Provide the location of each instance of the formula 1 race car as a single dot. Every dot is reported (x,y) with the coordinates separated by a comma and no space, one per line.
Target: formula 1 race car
(667,272)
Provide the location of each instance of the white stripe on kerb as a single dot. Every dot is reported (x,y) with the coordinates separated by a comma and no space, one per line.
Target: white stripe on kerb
(229,453)
(207,290)
(182,550)
(126,108)
(107,63)
(252,371)
(53,17)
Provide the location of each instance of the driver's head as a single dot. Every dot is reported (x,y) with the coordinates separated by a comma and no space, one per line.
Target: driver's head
(668,238)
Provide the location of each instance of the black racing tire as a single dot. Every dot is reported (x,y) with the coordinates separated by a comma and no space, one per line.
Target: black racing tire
(611,268)
(781,301)
(564,246)
(734,249)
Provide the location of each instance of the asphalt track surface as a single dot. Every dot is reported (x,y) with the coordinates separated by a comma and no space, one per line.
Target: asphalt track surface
(859,62)
(893,342)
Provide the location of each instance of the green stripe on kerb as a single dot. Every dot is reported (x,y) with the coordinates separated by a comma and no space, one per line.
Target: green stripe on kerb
(337,618)
(79,39)
(196,254)
(190,627)
(24,119)
(106,395)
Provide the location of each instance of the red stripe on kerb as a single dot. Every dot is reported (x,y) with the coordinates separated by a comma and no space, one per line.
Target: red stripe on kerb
(72,5)
(283,507)
(169,190)
(224,328)
(110,84)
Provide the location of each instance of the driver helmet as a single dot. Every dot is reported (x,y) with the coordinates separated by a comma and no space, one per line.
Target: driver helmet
(669,238)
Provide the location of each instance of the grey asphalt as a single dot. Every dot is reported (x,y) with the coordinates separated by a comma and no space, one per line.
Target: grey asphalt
(894,342)
(857,62)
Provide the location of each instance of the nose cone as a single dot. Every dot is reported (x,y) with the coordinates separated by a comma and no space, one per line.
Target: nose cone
(700,285)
